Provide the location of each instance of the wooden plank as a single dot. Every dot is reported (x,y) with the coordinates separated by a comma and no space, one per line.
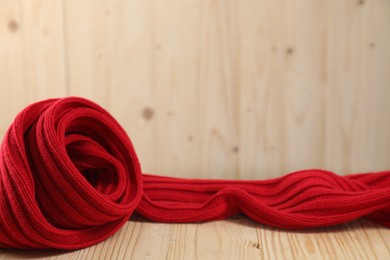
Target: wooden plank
(44,50)
(358,111)
(32,63)
(11,63)
(87,38)
(282,73)
(235,238)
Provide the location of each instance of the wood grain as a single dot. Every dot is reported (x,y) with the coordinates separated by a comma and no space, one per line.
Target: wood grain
(32,65)
(216,89)
(235,238)
(11,65)
(223,89)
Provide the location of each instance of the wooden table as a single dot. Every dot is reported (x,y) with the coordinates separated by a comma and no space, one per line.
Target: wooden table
(234,238)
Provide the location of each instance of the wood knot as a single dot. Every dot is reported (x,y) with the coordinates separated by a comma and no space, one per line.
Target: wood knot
(235,149)
(13,26)
(256,245)
(290,50)
(147,113)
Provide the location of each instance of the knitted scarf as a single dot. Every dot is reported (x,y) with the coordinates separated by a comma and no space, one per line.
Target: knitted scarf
(70,178)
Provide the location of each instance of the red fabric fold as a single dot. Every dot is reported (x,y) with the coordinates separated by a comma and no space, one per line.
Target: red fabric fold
(70,178)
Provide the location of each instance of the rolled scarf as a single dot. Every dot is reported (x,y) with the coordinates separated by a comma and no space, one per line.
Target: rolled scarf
(70,178)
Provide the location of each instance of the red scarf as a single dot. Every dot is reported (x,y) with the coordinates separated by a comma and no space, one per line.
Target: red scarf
(70,178)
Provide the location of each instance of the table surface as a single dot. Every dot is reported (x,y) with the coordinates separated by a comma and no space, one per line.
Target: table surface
(234,238)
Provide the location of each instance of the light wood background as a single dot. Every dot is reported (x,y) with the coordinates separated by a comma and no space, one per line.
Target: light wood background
(224,89)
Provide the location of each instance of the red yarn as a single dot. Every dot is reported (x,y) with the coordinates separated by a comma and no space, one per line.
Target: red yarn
(70,178)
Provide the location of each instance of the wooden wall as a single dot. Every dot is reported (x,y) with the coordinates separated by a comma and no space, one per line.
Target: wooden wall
(213,88)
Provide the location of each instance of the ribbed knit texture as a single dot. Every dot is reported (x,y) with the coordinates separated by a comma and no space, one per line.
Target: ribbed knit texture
(70,178)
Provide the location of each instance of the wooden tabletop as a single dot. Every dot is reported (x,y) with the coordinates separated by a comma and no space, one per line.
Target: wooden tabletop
(234,238)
